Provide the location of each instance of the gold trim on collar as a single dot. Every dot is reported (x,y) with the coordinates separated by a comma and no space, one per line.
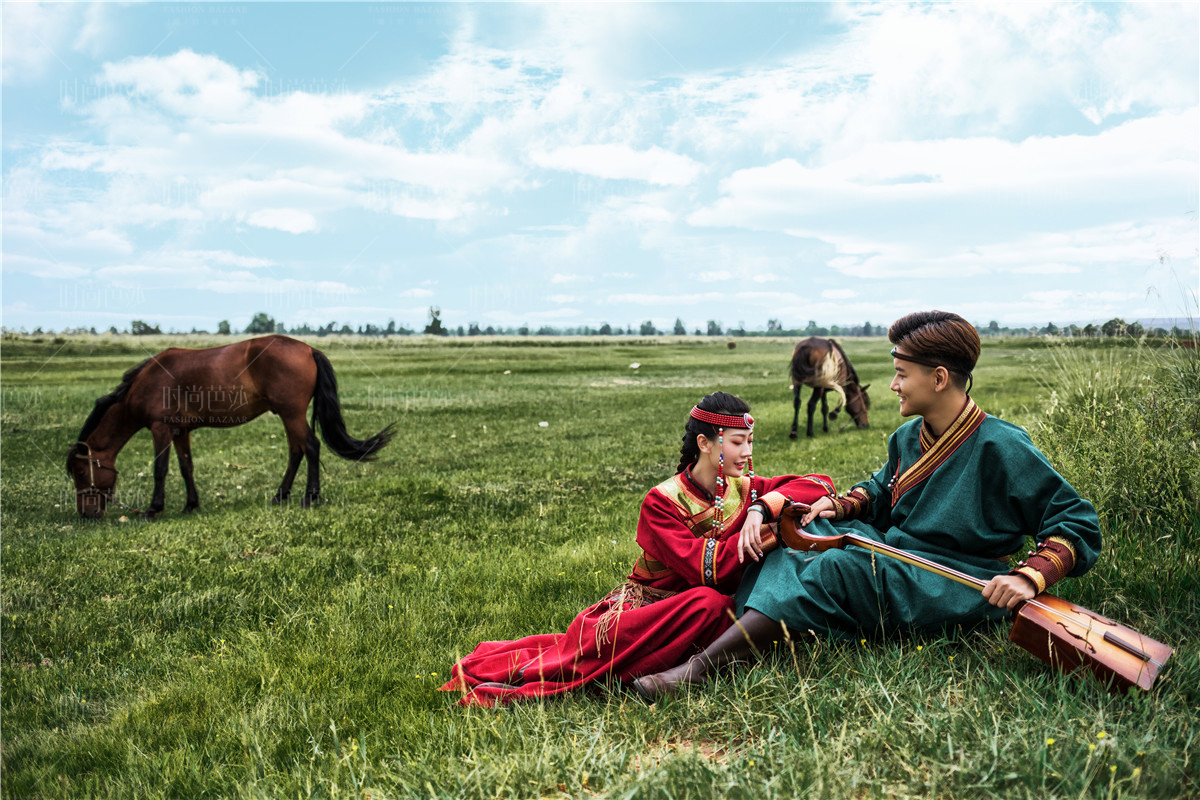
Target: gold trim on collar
(934,452)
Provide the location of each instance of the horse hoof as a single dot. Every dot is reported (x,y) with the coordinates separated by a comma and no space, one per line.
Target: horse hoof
(189,509)
(279,500)
(792,435)
(310,500)
(150,516)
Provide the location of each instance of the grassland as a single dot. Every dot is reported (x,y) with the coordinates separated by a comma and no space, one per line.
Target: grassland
(251,651)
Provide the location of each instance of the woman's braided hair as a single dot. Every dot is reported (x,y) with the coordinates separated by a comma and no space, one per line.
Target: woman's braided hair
(717,403)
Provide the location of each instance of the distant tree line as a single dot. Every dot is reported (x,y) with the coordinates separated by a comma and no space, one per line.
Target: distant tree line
(1114,327)
(263,323)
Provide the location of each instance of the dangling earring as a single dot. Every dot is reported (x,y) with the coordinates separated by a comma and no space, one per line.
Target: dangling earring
(720,499)
(750,474)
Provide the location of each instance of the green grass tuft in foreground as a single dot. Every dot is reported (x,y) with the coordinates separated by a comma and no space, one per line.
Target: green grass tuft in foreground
(249,651)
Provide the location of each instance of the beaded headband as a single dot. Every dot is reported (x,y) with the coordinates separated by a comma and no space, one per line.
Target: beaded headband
(723,420)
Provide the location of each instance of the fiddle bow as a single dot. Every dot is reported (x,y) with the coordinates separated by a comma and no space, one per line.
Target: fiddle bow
(1058,632)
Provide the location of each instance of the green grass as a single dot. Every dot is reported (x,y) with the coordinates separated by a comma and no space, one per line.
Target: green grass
(249,651)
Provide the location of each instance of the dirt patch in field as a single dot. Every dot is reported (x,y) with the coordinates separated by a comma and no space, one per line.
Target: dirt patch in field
(661,383)
(657,753)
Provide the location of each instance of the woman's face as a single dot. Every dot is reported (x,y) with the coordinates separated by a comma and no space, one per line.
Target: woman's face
(737,445)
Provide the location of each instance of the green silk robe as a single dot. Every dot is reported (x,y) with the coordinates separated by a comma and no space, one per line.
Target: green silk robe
(971,514)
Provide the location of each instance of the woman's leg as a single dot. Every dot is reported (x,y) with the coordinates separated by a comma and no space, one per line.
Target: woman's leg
(754,632)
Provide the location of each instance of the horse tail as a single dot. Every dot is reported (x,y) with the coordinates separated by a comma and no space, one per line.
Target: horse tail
(327,410)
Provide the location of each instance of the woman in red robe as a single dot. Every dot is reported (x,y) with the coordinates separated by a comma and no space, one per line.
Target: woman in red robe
(695,531)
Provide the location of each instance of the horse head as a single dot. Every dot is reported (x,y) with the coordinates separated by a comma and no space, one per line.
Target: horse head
(95,481)
(857,403)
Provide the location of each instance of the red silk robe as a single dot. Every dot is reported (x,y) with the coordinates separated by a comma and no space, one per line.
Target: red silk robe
(675,602)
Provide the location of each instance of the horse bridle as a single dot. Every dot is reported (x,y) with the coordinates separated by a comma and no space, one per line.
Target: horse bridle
(93,463)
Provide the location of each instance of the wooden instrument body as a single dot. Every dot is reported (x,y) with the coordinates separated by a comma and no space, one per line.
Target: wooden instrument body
(1067,637)
(1060,633)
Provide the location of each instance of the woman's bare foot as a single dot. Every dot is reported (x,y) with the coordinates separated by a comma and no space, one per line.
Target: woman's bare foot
(670,681)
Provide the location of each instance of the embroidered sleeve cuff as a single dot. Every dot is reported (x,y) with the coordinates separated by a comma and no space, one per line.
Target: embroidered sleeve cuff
(1052,561)
(851,506)
(773,503)
(708,562)
(769,540)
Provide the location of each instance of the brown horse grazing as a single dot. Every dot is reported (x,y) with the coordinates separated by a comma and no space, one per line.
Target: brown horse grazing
(821,364)
(180,390)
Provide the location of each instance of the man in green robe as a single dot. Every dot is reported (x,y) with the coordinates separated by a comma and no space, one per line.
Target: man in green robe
(959,488)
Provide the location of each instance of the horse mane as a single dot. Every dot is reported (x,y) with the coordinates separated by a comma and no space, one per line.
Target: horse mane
(851,375)
(106,402)
(826,377)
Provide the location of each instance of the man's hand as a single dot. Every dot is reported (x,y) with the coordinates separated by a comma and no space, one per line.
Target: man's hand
(1008,591)
(823,507)
(750,538)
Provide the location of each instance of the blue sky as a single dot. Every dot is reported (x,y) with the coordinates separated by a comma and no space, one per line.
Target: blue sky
(568,165)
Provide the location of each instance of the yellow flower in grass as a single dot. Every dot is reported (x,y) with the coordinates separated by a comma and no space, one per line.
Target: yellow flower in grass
(1050,742)
(1101,735)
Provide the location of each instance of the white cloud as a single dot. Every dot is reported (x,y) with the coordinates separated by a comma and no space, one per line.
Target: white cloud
(839,294)
(223,257)
(415,292)
(42,267)
(422,208)
(35,39)
(854,151)
(621,162)
(188,84)
(97,30)
(654,299)
(981,70)
(957,208)
(1127,245)
(1038,308)
(103,239)
(179,273)
(284,219)
(506,318)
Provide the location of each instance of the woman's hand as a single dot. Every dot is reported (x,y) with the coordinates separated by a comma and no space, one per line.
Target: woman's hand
(823,507)
(750,538)
(1008,591)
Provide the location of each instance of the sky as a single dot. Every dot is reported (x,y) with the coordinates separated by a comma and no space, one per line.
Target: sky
(567,165)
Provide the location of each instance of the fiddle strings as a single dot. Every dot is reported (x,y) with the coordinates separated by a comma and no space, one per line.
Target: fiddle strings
(1142,654)
(1091,625)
